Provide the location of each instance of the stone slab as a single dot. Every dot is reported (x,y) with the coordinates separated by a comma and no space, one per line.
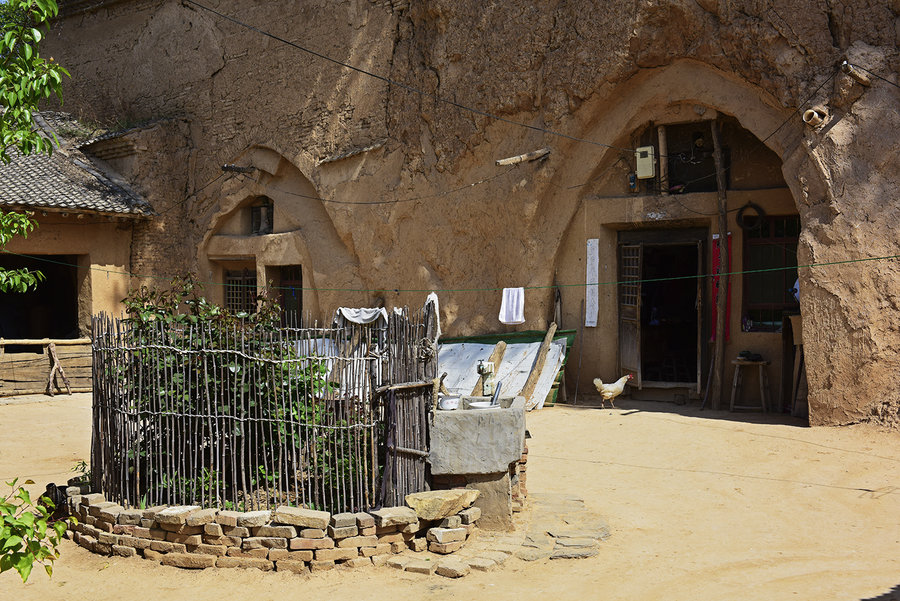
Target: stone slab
(343,520)
(204,516)
(451,521)
(446,535)
(358,541)
(277,531)
(176,515)
(445,548)
(358,562)
(300,544)
(482,564)
(573,552)
(452,568)
(283,554)
(123,551)
(243,562)
(343,532)
(264,542)
(251,519)
(364,520)
(188,560)
(260,553)
(336,554)
(420,566)
(320,565)
(288,565)
(305,518)
(470,515)
(575,542)
(477,442)
(394,516)
(439,504)
(532,554)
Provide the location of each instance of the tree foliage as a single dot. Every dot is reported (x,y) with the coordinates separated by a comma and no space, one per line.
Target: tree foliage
(27,533)
(17,280)
(26,78)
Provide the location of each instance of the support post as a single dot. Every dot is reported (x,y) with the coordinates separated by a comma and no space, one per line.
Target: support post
(663,160)
(722,292)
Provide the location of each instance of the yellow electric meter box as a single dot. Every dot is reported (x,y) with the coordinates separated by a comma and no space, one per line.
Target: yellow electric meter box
(646,162)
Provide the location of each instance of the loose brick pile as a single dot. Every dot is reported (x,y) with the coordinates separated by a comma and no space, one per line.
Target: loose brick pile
(285,539)
(518,473)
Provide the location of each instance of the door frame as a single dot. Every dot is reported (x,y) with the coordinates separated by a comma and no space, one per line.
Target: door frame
(629,314)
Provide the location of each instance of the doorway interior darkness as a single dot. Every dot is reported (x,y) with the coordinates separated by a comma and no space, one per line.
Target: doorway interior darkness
(50,310)
(661,295)
(669,313)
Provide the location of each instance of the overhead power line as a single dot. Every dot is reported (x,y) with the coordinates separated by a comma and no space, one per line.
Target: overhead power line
(488,289)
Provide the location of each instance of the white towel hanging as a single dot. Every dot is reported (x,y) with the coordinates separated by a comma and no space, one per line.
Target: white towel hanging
(512,307)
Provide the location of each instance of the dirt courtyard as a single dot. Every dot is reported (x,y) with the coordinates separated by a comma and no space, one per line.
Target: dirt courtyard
(702,505)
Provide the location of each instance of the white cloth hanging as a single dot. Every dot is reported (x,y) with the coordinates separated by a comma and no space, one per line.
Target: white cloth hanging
(512,307)
(361,316)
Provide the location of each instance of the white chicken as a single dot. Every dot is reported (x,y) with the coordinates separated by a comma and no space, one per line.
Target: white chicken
(610,391)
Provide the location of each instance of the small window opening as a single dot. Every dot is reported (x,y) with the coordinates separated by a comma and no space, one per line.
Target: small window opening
(261,215)
(240,291)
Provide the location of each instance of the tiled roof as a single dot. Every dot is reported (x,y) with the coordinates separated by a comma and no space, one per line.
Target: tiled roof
(66,180)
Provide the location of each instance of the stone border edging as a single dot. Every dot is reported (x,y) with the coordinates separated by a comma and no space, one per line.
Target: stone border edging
(285,539)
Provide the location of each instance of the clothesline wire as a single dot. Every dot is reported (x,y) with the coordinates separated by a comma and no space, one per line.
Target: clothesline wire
(487,289)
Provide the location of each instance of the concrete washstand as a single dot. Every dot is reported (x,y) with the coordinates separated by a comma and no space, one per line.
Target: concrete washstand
(479,448)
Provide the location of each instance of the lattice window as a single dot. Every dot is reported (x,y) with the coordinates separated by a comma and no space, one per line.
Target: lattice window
(630,274)
(770,258)
(240,291)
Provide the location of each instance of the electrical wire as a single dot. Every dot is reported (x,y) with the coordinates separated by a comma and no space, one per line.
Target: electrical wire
(876,75)
(488,289)
(405,86)
(396,200)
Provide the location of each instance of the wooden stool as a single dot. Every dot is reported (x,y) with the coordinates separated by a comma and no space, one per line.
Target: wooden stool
(738,380)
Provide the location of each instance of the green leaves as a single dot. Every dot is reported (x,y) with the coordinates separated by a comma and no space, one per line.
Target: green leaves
(27,536)
(25,77)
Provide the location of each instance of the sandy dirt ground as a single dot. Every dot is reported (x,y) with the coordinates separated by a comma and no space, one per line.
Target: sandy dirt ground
(702,505)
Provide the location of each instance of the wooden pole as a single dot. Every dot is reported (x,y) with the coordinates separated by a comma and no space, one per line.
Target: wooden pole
(537,368)
(722,290)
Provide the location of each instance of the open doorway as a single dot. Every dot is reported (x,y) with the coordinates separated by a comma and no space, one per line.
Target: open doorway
(50,310)
(669,317)
(660,307)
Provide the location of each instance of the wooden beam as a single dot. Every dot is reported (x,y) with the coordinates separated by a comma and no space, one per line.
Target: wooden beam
(496,357)
(538,367)
(722,291)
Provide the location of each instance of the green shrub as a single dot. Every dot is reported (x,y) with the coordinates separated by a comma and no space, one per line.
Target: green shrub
(27,535)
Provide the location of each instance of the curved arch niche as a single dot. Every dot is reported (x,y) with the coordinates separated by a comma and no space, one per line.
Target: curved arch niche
(272,227)
(663,227)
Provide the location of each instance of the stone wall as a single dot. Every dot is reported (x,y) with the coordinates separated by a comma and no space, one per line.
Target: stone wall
(285,539)
(545,65)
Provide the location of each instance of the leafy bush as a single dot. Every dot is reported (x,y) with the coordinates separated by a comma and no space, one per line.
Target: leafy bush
(191,360)
(27,535)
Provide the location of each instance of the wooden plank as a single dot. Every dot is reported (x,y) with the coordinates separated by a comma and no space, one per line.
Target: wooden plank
(531,382)
(45,341)
(495,358)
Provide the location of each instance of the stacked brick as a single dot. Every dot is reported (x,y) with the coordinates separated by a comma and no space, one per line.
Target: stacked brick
(518,479)
(286,539)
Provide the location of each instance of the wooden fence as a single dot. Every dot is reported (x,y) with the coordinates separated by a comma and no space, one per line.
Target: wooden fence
(248,417)
(26,365)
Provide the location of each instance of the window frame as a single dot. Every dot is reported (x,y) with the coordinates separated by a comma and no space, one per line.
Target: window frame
(240,284)
(784,242)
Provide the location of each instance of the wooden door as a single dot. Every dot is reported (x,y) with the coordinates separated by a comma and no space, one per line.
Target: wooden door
(630,269)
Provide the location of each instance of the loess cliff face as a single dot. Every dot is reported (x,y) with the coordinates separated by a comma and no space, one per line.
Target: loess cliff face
(592,70)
